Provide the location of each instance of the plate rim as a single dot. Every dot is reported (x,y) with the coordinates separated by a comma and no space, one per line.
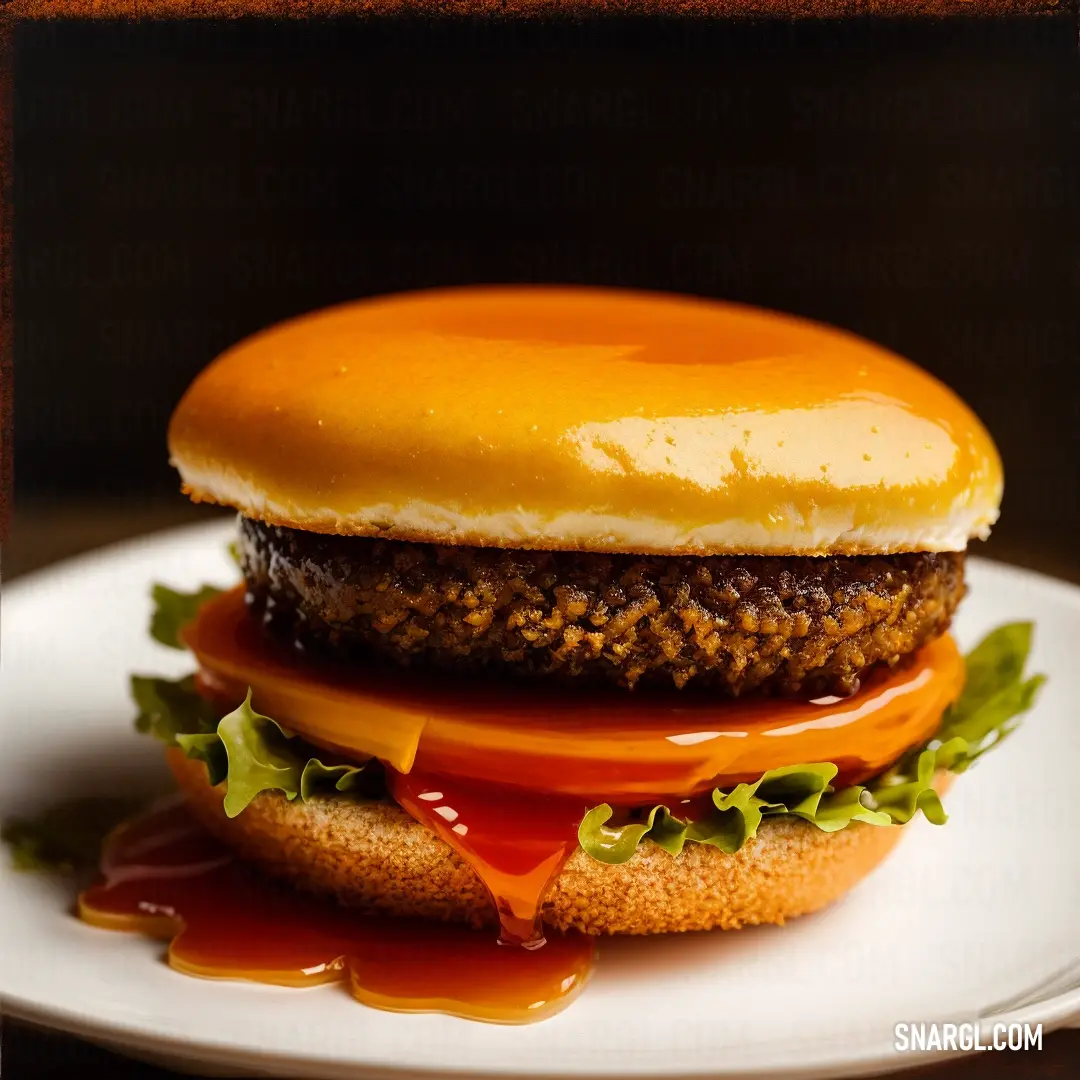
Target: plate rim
(871,1062)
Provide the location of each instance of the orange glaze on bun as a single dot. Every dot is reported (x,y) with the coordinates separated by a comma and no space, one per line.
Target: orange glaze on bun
(569,742)
(586,419)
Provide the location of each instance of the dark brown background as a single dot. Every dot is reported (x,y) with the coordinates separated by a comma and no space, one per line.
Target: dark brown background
(180,185)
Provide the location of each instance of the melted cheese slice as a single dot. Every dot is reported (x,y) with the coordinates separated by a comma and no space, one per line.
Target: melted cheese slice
(604,744)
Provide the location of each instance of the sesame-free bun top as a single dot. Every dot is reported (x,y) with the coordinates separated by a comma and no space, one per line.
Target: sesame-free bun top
(586,419)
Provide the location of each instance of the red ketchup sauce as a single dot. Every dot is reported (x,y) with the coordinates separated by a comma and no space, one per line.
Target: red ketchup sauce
(516,841)
(164,876)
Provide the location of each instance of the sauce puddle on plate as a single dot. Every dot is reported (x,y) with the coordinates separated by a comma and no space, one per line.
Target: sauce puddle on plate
(164,876)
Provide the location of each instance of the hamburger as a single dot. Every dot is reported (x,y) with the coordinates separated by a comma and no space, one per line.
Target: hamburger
(569,609)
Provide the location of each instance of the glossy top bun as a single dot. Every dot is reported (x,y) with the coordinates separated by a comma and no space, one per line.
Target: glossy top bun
(586,419)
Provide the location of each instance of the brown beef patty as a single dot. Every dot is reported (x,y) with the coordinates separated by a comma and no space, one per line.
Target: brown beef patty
(732,624)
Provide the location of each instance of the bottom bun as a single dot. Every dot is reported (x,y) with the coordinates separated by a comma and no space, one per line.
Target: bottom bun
(371,854)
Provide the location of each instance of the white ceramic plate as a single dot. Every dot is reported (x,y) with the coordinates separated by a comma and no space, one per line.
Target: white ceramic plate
(974,920)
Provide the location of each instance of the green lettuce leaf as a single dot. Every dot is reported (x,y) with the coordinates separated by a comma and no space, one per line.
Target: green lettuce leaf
(259,758)
(838,809)
(174,610)
(67,836)
(208,748)
(319,779)
(994,696)
(250,752)
(170,707)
